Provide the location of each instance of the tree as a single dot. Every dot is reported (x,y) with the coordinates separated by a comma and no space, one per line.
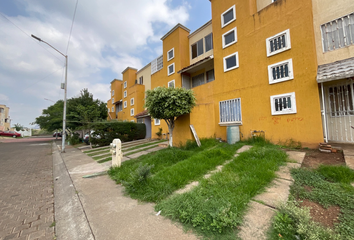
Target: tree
(18,127)
(168,104)
(52,117)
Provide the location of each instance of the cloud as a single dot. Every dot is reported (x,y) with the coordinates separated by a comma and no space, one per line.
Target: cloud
(107,37)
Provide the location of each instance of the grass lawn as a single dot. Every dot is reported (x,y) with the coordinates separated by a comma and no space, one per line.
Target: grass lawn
(216,207)
(328,186)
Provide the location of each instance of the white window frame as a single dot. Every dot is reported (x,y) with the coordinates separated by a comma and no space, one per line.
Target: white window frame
(223,38)
(234,67)
(125,84)
(222,16)
(237,122)
(112,92)
(132,102)
(290,71)
(293,109)
(157,122)
(132,121)
(168,69)
(112,109)
(125,93)
(125,104)
(173,51)
(287,39)
(173,81)
(112,100)
(132,112)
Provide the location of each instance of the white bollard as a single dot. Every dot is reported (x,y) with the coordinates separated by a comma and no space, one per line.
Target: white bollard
(116,151)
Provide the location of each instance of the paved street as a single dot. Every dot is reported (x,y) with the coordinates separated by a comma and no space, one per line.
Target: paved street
(26,190)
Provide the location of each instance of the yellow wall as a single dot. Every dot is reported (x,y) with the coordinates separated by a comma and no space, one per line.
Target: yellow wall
(195,37)
(325,11)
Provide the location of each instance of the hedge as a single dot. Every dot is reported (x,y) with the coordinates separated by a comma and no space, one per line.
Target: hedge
(104,133)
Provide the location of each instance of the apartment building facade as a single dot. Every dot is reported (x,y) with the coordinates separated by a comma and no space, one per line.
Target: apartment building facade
(5,121)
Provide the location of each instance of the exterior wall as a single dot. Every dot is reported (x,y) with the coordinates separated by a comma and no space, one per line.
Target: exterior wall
(325,11)
(196,36)
(146,74)
(250,80)
(262,4)
(137,92)
(3,116)
(116,95)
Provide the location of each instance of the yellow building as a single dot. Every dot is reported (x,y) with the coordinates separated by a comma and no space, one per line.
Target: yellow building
(334,34)
(5,121)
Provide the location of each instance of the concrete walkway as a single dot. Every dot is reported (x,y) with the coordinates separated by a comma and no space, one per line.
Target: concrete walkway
(96,208)
(262,209)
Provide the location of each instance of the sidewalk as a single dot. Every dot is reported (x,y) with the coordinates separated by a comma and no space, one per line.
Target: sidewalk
(96,208)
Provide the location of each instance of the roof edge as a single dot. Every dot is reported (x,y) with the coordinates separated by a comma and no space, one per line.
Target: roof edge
(143,67)
(200,29)
(173,29)
(128,69)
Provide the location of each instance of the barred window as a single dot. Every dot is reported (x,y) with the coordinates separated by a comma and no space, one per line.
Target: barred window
(341,100)
(278,43)
(157,64)
(283,104)
(230,111)
(281,71)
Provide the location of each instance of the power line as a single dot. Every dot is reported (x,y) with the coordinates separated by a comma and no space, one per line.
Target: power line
(71,29)
(28,35)
(25,88)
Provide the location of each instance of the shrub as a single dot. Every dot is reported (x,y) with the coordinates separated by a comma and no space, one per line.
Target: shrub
(74,139)
(105,132)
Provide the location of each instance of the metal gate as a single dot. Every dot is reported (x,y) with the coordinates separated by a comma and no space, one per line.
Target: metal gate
(340,112)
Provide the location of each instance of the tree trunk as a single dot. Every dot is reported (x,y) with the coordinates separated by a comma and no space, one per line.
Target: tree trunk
(170,131)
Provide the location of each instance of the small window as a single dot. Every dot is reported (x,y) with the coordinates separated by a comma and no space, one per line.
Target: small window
(281,71)
(278,43)
(171,69)
(132,120)
(132,112)
(229,38)
(170,54)
(210,75)
(228,16)
(157,122)
(208,42)
(125,84)
(141,80)
(230,111)
(171,84)
(112,100)
(283,104)
(112,92)
(112,109)
(131,101)
(125,104)
(197,48)
(231,62)
(198,80)
(125,94)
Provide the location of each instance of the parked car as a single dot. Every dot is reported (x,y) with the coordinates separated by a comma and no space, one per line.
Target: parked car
(86,138)
(10,134)
(57,133)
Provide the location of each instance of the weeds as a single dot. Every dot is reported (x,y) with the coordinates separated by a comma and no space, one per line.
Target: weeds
(290,143)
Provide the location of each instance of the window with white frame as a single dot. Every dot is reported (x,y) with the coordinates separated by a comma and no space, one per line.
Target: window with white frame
(132,112)
(112,109)
(125,94)
(112,100)
(112,92)
(157,122)
(141,80)
(197,48)
(229,38)
(171,69)
(170,54)
(131,101)
(283,104)
(230,111)
(338,33)
(132,120)
(281,71)
(278,43)
(228,16)
(208,39)
(210,75)
(125,104)
(231,62)
(171,84)
(125,84)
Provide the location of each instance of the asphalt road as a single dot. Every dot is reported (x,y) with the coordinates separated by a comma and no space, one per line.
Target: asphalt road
(26,187)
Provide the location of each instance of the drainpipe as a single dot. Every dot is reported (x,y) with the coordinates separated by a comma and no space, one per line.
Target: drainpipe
(324,114)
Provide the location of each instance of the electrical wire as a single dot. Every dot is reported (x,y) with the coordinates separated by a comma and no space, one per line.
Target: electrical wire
(31,85)
(71,29)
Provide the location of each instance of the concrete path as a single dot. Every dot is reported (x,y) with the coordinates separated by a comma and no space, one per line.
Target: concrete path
(100,209)
(262,208)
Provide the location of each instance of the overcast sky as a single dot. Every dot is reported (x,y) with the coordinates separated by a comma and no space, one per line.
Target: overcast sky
(107,37)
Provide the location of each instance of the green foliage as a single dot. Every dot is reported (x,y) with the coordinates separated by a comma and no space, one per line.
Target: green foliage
(290,143)
(105,132)
(52,117)
(342,174)
(216,207)
(159,133)
(18,127)
(138,178)
(293,222)
(74,139)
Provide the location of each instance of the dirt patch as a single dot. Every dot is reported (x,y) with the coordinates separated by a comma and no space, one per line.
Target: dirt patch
(315,158)
(308,189)
(326,217)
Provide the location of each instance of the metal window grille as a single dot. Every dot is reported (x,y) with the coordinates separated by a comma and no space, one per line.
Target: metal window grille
(278,43)
(341,100)
(338,33)
(282,104)
(280,71)
(157,64)
(230,110)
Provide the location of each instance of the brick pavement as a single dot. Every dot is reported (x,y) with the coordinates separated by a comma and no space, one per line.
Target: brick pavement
(26,191)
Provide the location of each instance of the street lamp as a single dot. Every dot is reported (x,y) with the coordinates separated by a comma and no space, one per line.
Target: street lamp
(65,89)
